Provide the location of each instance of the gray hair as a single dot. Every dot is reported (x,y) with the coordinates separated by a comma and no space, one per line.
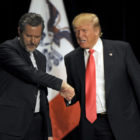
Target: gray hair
(32,19)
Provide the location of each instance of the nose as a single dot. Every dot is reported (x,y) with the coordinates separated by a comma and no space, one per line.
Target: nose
(33,40)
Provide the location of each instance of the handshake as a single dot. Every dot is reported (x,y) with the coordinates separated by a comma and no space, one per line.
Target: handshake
(67,91)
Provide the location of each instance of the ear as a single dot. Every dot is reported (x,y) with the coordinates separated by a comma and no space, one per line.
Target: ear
(97,31)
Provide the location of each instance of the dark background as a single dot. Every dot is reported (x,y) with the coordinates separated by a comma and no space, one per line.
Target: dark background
(119,20)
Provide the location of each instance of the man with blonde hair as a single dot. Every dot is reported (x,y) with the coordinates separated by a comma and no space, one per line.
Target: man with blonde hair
(106,77)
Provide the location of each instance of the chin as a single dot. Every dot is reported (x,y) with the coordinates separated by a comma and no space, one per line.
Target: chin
(84,47)
(30,50)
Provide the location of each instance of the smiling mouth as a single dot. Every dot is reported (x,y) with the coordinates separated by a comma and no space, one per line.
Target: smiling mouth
(82,41)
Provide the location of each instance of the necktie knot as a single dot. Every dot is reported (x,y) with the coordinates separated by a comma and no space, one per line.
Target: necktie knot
(91,51)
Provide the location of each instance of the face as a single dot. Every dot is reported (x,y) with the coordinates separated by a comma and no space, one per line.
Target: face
(30,37)
(86,35)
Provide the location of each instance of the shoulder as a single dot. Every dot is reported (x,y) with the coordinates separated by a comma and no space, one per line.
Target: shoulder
(117,45)
(11,42)
(120,48)
(115,42)
(10,45)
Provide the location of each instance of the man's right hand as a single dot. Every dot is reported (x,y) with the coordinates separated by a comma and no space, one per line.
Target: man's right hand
(67,91)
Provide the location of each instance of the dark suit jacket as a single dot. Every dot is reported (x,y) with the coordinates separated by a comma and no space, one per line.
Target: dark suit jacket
(122,87)
(19,83)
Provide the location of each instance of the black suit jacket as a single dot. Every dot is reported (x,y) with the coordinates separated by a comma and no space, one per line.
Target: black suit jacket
(19,83)
(122,87)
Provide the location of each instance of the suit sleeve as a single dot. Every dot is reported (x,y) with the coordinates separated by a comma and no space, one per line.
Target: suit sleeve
(70,81)
(12,62)
(133,68)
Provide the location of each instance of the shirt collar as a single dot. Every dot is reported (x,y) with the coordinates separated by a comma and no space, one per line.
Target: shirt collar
(97,47)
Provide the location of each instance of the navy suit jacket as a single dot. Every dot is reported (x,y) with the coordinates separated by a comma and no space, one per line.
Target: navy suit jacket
(19,83)
(122,87)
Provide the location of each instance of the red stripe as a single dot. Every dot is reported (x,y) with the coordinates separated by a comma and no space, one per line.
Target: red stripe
(64,119)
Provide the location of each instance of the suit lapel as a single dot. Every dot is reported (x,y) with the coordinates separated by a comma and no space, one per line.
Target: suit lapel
(108,53)
(38,61)
(108,65)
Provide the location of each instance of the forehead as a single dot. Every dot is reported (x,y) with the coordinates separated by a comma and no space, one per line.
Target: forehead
(29,28)
(84,26)
(35,30)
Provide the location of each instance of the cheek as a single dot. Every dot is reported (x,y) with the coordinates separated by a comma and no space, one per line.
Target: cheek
(26,40)
(91,36)
(38,40)
(77,35)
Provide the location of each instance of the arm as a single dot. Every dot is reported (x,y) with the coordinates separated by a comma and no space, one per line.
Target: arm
(12,62)
(133,68)
(70,81)
(67,91)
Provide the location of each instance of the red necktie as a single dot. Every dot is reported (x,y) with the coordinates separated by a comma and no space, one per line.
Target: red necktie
(91,113)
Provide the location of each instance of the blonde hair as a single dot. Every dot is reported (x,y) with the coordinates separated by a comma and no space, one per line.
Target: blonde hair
(86,18)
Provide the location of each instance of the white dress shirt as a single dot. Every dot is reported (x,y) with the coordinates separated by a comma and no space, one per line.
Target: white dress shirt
(100,81)
(37,107)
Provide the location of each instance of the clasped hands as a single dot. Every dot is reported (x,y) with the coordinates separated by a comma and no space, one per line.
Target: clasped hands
(67,91)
